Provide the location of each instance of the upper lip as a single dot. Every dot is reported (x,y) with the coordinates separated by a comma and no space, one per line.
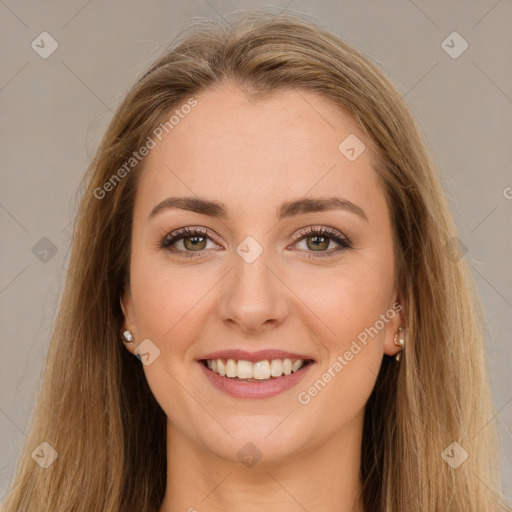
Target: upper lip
(260,355)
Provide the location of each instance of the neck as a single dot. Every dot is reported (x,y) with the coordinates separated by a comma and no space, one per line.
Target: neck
(321,478)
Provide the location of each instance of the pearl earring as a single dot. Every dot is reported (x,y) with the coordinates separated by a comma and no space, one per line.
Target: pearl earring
(399,341)
(128,338)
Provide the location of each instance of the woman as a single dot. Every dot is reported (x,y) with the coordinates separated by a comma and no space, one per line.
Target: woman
(264,230)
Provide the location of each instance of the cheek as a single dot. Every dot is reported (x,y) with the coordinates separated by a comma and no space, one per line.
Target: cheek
(171,310)
(349,300)
(169,301)
(350,306)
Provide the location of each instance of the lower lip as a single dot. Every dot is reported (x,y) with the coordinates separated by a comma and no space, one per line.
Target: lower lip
(239,389)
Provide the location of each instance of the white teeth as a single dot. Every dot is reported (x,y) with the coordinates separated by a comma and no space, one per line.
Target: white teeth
(276,368)
(221,367)
(295,366)
(260,370)
(231,368)
(244,370)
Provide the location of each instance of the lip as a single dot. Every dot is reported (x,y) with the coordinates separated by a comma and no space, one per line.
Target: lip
(254,357)
(239,389)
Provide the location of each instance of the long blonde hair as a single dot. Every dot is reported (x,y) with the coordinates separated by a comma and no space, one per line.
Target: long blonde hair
(95,407)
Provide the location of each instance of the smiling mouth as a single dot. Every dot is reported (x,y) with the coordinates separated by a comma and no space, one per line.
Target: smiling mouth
(260,371)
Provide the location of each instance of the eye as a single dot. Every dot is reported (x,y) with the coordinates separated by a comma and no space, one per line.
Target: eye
(318,238)
(192,241)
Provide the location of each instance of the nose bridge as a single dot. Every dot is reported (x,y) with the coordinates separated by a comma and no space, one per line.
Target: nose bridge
(252,296)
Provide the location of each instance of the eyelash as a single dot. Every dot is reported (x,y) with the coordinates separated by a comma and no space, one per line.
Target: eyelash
(170,239)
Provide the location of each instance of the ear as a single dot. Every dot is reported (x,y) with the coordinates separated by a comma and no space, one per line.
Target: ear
(129,322)
(397,314)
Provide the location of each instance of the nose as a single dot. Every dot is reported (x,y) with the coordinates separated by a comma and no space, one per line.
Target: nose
(254,298)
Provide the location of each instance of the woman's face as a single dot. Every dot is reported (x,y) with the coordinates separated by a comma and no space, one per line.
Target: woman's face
(261,285)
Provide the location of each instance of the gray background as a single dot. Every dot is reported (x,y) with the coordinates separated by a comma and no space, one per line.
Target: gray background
(54,111)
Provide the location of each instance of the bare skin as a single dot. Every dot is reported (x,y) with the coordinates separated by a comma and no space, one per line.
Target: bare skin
(253,156)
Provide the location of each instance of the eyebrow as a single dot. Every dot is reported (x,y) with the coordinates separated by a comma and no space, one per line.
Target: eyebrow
(286,209)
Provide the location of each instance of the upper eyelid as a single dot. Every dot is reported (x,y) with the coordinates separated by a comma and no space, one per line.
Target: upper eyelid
(325,229)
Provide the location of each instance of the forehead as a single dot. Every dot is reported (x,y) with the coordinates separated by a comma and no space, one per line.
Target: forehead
(252,155)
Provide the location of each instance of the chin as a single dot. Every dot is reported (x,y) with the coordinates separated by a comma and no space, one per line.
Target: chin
(256,441)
